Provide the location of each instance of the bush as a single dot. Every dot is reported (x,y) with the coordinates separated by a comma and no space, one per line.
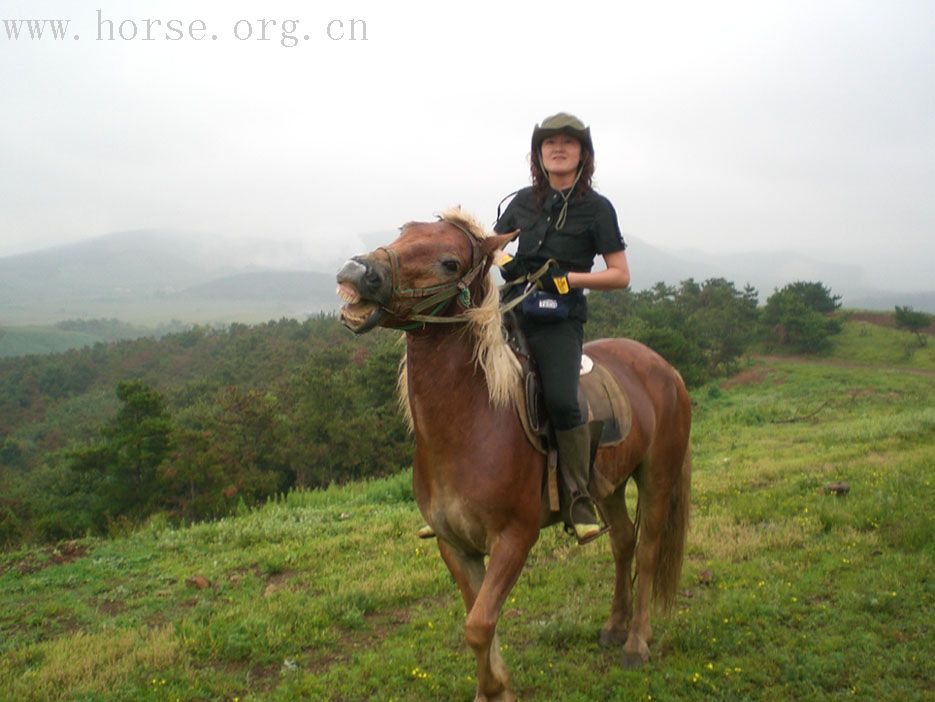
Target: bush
(797,317)
(701,329)
(913,322)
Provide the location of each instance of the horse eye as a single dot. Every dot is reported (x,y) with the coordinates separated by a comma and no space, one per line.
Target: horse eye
(450,265)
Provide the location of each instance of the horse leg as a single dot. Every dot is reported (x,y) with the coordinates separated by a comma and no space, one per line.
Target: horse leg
(622,543)
(653,513)
(468,572)
(506,562)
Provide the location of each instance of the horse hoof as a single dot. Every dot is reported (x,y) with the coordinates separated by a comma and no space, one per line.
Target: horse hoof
(503,696)
(612,637)
(632,661)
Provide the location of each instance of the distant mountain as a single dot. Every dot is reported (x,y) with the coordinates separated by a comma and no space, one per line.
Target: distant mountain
(921,302)
(151,277)
(119,265)
(765,271)
(273,286)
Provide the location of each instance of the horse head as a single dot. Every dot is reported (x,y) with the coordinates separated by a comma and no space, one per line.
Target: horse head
(432,268)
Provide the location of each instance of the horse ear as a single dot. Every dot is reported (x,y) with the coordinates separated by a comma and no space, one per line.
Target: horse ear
(498,241)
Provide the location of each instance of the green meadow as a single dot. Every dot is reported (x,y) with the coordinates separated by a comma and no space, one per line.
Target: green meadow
(790,591)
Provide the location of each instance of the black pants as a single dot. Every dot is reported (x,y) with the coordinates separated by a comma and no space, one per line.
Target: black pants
(556,347)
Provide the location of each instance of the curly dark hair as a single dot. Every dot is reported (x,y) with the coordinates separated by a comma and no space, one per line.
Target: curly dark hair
(540,181)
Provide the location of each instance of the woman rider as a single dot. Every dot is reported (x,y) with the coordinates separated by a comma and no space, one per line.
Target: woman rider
(561,217)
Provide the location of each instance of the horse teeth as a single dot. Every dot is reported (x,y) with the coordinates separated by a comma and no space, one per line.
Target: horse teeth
(347,294)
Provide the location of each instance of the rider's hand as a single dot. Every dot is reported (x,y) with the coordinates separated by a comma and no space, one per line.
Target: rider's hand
(510,269)
(555,280)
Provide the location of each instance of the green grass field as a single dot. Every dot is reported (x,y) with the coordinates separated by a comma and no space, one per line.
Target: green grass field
(25,340)
(788,593)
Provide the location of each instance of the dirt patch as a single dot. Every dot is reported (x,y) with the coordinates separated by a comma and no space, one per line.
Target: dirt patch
(262,676)
(379,625)
(840,363)
(111,607)
(277,582)
(882,319)
(64,552)
(751,376)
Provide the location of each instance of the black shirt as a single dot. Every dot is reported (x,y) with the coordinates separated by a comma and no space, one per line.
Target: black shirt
(590,229)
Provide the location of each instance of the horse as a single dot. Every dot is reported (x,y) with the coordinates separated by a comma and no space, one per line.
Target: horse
(476,478)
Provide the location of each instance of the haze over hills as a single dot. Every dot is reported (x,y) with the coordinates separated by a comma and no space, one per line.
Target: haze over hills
(151,276)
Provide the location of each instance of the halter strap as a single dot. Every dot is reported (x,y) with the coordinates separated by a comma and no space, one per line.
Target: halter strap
(435,296)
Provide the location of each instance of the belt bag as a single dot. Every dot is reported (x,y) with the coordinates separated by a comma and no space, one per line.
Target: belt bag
(547,307)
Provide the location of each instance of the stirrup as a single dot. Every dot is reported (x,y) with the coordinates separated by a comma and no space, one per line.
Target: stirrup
(589,536)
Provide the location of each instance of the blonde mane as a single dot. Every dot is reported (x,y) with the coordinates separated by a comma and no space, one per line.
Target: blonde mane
(490,352)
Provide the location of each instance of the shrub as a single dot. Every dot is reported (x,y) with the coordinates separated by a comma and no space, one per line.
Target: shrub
(797,317)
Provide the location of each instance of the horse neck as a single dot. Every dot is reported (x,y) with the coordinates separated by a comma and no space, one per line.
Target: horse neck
(443,378)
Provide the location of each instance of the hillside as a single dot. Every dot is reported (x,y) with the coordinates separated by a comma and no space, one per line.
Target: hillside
(789,592)
(149,277)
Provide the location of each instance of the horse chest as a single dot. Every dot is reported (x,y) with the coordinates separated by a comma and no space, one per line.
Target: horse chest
(453,515)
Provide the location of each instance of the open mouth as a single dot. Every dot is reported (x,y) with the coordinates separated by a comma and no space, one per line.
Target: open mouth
(358,315)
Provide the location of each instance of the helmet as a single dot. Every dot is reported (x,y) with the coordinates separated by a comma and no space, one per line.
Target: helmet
(561,123)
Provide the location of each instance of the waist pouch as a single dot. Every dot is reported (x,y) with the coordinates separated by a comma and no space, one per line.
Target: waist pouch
(547,307)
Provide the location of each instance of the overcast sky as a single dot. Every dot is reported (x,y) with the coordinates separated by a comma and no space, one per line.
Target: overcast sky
(718,126)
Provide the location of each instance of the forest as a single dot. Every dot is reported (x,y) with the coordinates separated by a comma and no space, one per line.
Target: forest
(197,424)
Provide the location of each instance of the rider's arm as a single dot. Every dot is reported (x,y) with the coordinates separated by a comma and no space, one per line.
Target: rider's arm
(617,274)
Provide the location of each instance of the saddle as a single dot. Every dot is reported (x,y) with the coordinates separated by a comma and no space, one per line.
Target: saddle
(600,398)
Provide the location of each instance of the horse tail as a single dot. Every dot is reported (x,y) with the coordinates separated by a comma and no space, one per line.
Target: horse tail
(672,540)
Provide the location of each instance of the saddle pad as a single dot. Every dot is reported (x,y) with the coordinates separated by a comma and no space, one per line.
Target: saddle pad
(602,399)
(587,364)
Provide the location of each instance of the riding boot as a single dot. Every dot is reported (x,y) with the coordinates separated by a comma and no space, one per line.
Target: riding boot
(574,452)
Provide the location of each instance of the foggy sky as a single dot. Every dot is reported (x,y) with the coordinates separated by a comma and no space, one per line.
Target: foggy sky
(718,126)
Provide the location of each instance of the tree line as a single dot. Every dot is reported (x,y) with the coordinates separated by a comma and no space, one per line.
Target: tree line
(198,423)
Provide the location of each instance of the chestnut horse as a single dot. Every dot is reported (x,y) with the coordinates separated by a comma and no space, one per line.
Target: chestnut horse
(476,478)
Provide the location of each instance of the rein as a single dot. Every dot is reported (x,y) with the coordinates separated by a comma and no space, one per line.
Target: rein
(437,296)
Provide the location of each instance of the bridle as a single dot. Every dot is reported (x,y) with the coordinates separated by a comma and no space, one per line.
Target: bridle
(434,298)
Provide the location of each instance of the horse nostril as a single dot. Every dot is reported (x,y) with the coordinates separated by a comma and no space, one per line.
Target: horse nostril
(372,280)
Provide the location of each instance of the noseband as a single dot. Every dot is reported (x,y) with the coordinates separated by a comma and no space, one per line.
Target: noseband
(435,297)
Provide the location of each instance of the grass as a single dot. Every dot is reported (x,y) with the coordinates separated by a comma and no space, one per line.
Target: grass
(864,342)
(24,340)
(788,591)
